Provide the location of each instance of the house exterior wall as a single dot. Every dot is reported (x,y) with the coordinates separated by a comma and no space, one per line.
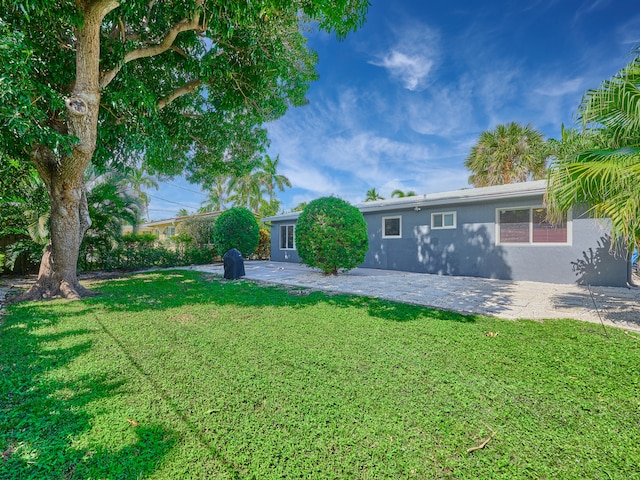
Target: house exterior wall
(278,254)
(471,248)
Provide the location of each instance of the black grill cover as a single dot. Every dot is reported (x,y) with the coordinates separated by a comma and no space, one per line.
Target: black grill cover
(233,264)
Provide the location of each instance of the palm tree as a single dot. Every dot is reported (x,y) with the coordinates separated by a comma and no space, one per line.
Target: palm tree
(216,196)
(111,203)
(250,189)
(601,166)
(401,194)
(270,178)
(373,195)
(138,179)
(510,153)
(247,191)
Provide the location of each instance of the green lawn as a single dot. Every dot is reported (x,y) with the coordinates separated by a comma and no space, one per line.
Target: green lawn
(180,375)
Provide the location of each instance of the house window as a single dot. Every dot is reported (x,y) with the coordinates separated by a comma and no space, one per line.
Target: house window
(443,220)
(530,225)
(287,237)
(546,232)
(391,227)
(171,231)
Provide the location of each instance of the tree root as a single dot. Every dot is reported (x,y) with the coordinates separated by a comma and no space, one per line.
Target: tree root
(51,290)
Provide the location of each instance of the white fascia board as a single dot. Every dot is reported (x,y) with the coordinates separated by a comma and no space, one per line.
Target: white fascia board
(457,197)
(282,218)
(485,194)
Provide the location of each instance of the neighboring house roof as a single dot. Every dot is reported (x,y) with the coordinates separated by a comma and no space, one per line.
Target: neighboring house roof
(175,220)
(510,191)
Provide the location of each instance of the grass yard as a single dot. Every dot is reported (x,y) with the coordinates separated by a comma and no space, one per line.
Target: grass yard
(179,375)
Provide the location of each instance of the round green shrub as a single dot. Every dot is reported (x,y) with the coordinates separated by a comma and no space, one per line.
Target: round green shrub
(331,235)
(196,230)
(236,228)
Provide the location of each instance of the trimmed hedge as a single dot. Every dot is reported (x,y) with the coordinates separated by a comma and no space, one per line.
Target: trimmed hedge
(135,252)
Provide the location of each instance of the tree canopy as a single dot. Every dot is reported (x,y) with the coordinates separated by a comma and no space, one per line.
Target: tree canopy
(599,165)
(510,153)
(174,86)
(372,195)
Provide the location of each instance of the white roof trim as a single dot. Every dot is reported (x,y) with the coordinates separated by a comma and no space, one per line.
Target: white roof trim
(455,197)
(175,220)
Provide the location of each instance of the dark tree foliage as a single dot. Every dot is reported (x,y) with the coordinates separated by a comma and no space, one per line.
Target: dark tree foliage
(331,235)
(196,230)
(176,87)
(236,228)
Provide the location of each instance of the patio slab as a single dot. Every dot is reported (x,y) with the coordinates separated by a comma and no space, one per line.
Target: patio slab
(613,306)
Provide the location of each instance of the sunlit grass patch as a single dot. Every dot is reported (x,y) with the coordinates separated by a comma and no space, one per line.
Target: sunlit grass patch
(183,375)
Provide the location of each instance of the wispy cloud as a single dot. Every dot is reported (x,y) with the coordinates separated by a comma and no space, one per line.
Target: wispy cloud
(589,7)
(629,33)
(561,88)
(412,57)
(445,112)
(327,149)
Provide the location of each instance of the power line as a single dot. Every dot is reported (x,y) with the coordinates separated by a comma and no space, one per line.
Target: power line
(160,210)
(169,201)
(186,189)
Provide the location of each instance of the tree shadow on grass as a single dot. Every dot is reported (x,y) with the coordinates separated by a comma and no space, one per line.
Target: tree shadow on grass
(41,416)
(46,424)
(400,312)
(175,289)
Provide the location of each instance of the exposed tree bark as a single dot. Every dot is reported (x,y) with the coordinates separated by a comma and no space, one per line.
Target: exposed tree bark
(166,43)
(63,175)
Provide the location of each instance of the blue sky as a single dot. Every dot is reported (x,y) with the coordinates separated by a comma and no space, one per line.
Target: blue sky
(400,102)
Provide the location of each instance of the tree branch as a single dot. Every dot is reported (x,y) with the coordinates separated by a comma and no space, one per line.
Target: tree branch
(187,88)
(183,25)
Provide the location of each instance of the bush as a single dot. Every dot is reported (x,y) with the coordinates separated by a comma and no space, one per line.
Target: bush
(263,252)
(135,252)
(331,235)
(236,228)
(196,230)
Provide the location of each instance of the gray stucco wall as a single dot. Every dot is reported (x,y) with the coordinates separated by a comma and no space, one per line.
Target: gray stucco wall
(470,249)
(277,254)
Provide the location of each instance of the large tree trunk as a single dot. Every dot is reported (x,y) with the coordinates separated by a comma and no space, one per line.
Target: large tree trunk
(64,175)
(68,222)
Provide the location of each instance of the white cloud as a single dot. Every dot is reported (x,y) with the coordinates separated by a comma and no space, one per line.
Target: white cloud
(329,148)
(412,71)
(412,57)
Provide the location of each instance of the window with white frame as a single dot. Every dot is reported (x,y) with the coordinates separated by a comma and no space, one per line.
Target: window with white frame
(287,237)
(443,220)
(529,225)
(392,227)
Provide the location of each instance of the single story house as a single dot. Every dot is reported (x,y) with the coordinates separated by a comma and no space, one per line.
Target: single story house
(493,232)
(165,229)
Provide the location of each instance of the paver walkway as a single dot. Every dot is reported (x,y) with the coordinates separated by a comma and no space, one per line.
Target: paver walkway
(500,298)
